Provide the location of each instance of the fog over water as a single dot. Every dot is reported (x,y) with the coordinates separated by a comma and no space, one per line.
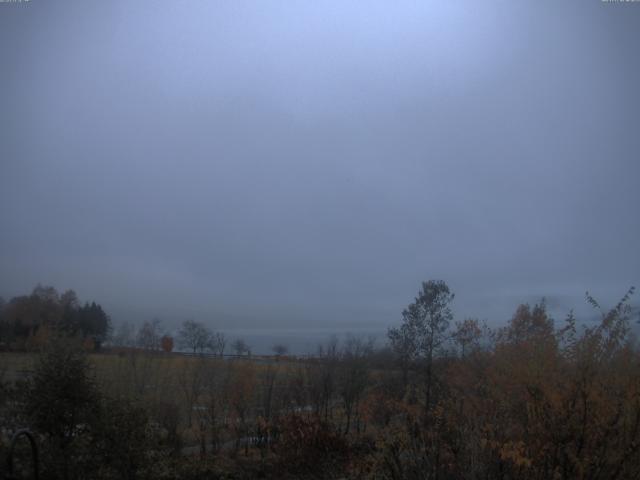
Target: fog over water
(288,169)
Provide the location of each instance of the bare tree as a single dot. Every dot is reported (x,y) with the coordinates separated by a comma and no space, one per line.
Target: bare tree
(217,403)
(149,335)
(354,376)
(241,347)
(218,343)
(405,348)
(124,336)
(194,336)
(191,380)
(241,399)
(322,377)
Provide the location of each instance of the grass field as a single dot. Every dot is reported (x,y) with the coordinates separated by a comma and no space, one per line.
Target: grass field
(16,365)
(187,386)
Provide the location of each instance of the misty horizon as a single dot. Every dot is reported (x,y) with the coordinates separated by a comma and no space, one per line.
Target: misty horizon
(304,167)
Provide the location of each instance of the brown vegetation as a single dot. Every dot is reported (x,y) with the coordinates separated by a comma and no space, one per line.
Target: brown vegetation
(531,400)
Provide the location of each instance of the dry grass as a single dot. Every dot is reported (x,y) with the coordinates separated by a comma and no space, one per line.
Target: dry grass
(15,366)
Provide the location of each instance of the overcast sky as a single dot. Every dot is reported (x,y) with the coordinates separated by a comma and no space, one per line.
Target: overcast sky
(306,164)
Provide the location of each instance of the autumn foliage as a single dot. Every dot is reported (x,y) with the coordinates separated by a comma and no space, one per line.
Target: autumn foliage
(308,444)
(166,343)
(538,402)
(534,399)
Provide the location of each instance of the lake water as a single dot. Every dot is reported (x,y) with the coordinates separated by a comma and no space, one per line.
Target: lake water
(298,341)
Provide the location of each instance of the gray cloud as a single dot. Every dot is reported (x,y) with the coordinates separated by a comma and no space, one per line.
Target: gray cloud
(307,164)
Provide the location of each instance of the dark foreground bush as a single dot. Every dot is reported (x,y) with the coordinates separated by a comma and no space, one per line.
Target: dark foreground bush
(307,445)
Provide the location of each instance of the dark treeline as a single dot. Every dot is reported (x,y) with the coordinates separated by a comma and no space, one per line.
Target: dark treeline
(27,321)
(534,399)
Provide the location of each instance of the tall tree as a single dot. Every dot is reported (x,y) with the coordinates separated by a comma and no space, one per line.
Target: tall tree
(405,348)
(423,330)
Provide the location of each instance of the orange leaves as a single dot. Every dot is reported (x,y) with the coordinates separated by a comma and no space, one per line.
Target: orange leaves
(166,343)
(515,452)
